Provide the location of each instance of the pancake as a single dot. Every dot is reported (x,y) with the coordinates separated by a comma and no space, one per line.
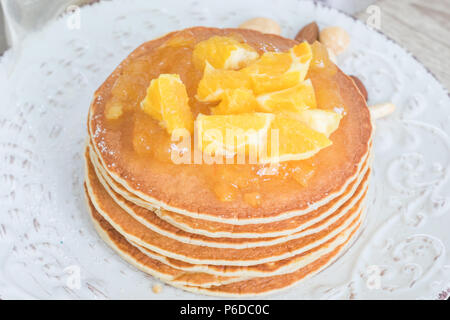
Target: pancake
(199,278)
(181,189)
(144,263)
(167,219)
(138,233)
(204,283)
(268,285)
(152,221)
(264,269)
(137,209)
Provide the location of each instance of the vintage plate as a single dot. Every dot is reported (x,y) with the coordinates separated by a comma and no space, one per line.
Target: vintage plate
(48,246)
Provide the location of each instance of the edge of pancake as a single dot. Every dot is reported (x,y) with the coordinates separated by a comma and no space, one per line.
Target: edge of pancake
(319,265)
(182,280)
(286,232)
(234,243)
(114,189)
(165,277)
(156,207)
(263,270)
(180,256)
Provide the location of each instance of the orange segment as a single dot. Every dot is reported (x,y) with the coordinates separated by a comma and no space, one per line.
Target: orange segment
(176,112)
(327,92)
(296,141)
(269,73)
(321,73)
(216,81)
(152,102)
(323,121)
(223,53)
(294,99)
(230,134)
(275,71)
(302,52)
(320,61)
(236,101)
(167,101)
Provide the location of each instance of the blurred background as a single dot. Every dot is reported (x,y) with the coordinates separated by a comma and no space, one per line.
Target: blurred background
(22,16)
(422,27)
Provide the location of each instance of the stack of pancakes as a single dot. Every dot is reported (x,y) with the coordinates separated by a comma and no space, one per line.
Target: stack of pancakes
(165,221)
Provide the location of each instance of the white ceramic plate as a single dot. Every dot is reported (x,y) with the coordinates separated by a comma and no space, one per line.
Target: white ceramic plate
(47,242)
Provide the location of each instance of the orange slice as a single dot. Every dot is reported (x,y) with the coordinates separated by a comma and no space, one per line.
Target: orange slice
(320,61)
(236,101)
(321,73)
(327,92)
(294,99)
(152,101)
(223,53)
(229,134)
(275,71)
(167,101)
(323,121)
(216,81)
(296,141)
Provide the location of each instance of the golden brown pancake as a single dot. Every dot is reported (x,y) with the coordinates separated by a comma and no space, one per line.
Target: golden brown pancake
(148,265)
(152,221)
(167,220)
(264,269)
(205,283)
(266,285)
(174,271)
(220,230)
(181,189)
(138,233)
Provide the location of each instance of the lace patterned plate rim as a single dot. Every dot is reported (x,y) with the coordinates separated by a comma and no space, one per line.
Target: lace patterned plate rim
(48,247)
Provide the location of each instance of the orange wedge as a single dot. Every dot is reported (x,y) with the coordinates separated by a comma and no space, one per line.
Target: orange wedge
(152,102)
(275,71)
(322,121)
(294,99)
(327,92)
(321,73)
(167,101)
(320,61)
(290,139)
(223,53)
(229,134)
(236,101)
(216,81)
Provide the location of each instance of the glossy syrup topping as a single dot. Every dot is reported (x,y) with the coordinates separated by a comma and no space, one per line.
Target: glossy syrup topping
(303,103)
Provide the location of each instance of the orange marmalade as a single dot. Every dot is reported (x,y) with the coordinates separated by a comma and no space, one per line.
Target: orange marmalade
(141,138)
